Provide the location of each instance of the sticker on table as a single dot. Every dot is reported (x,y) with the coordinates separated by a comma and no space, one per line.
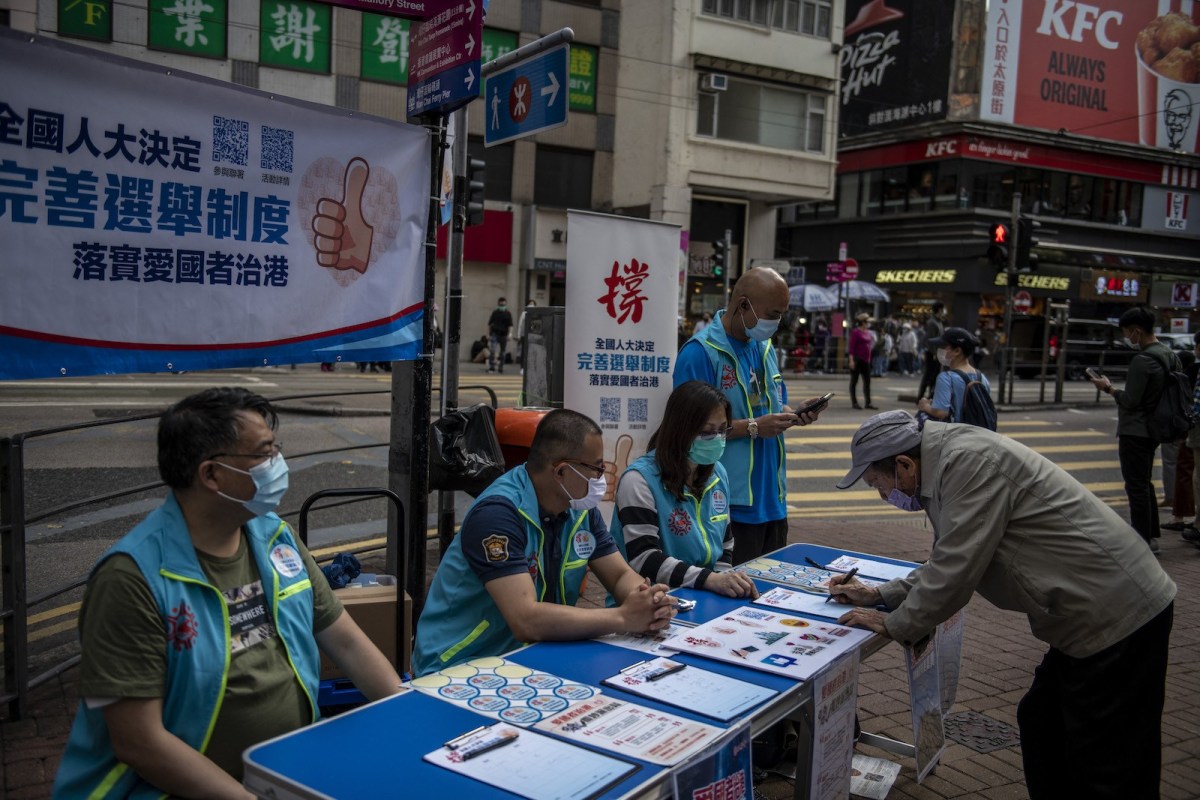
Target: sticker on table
(504,690)
(775,645)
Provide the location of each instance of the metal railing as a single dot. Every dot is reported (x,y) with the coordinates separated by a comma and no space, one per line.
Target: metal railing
(15,522)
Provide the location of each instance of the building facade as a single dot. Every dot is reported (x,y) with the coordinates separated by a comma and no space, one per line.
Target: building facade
(1025,97)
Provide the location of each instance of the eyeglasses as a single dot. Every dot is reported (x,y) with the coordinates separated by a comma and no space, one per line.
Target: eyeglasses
(597,471)
(276,449)
(708,435)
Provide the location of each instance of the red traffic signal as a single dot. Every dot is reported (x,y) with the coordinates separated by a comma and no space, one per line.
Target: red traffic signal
(997,252)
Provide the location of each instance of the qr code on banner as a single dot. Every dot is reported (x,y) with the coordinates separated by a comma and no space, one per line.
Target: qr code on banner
(610,409)
(639,409)
(231,140)
(277,149)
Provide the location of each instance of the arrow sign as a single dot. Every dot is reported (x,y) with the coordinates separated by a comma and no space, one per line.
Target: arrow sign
(443,59)
(551,90)
(519,100)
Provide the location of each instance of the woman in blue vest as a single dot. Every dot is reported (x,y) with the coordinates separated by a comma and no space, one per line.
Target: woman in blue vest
(672,514)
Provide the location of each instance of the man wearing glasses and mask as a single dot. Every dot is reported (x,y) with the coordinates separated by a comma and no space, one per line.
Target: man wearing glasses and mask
(200,629)
(735,355)
(514,572)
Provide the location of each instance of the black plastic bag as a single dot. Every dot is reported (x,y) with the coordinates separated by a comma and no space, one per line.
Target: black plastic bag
(464,452)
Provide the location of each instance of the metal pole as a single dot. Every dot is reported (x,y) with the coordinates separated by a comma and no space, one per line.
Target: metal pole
(1011,276)
(412,397)
(453,300)
(729,261)
(525,51)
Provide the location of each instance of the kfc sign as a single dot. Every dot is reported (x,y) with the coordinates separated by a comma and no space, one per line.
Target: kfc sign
(1177,206)
(1113,69)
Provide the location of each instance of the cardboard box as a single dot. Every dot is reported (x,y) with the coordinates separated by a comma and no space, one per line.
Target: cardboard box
(373,607)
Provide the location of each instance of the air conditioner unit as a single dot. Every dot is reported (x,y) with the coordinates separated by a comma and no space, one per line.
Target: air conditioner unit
(713,82)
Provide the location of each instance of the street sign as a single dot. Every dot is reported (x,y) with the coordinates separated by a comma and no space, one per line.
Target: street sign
(528,97)
(410,9)
(1022,302)
(839,271)
(443,60)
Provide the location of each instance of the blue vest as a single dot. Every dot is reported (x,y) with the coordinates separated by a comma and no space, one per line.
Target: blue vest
(692,529)
(198,648)
(733,381)
(460,620)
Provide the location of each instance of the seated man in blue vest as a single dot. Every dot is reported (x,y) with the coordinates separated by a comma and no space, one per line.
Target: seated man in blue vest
(514,572)
(201,627)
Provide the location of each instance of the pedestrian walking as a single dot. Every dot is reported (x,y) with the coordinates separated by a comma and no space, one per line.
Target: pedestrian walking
(500,325)
(934,327)
(860,359)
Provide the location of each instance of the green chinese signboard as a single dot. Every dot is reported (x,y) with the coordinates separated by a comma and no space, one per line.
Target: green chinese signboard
(582,71)
(496,44)
(87,19)
(295,35)
(195,27)
(384,48)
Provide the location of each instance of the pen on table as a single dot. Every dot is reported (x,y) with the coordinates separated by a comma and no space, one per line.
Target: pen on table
(507,737)
(848,577)
(454,743)
(812,563)
(666,672)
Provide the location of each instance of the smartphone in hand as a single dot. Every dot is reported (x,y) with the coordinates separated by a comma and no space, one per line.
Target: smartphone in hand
(815,405)
(1091,373)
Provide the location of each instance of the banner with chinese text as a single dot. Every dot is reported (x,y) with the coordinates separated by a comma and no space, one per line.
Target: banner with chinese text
(620,342)
(152,220)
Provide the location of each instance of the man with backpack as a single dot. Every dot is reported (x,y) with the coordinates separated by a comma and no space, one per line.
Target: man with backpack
(1137,429)
(961,393)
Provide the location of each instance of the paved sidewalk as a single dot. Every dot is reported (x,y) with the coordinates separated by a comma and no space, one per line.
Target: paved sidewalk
(999,656)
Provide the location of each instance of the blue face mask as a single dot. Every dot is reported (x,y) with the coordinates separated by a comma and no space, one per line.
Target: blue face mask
(903,501)
(763,330)
(706,451)
(270,483)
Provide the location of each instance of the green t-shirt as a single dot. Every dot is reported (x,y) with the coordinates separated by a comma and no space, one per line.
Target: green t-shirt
(124,643)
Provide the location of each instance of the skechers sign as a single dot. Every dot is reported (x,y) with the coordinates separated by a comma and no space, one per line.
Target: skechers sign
(1050,283)
(915,276)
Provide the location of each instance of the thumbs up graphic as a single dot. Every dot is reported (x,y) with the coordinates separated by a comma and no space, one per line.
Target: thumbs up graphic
(343,237)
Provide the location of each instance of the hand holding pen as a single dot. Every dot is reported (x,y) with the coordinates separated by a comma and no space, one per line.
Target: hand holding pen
(845,580)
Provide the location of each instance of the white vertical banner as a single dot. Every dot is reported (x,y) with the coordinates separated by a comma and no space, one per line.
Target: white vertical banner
(835,697)
(1001,49)
(620,343)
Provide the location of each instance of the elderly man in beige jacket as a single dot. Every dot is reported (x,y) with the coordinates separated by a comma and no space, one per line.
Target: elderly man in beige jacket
(1016,528)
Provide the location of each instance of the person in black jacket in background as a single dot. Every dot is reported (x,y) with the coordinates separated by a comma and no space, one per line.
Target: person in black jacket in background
(499,330)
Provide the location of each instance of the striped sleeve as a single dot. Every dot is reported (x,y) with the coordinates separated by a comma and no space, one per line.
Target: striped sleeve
(639,521)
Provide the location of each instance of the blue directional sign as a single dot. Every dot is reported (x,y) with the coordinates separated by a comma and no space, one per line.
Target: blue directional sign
(527,97)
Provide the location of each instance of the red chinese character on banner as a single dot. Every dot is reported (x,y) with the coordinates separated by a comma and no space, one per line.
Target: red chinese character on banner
(631,298)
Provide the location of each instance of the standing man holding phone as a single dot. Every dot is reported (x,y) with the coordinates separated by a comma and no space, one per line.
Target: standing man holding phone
(735,355)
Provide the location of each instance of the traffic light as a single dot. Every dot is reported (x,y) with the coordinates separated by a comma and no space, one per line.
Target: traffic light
(1026,228)
(720,258)
(475,176)
(998,242)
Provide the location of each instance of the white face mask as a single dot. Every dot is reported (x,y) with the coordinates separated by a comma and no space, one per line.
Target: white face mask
(763,330)
(943,357)
(597,488)
(270,483)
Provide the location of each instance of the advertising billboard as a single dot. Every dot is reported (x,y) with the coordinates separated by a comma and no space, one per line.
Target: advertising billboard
(895,63)
(1110,69)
